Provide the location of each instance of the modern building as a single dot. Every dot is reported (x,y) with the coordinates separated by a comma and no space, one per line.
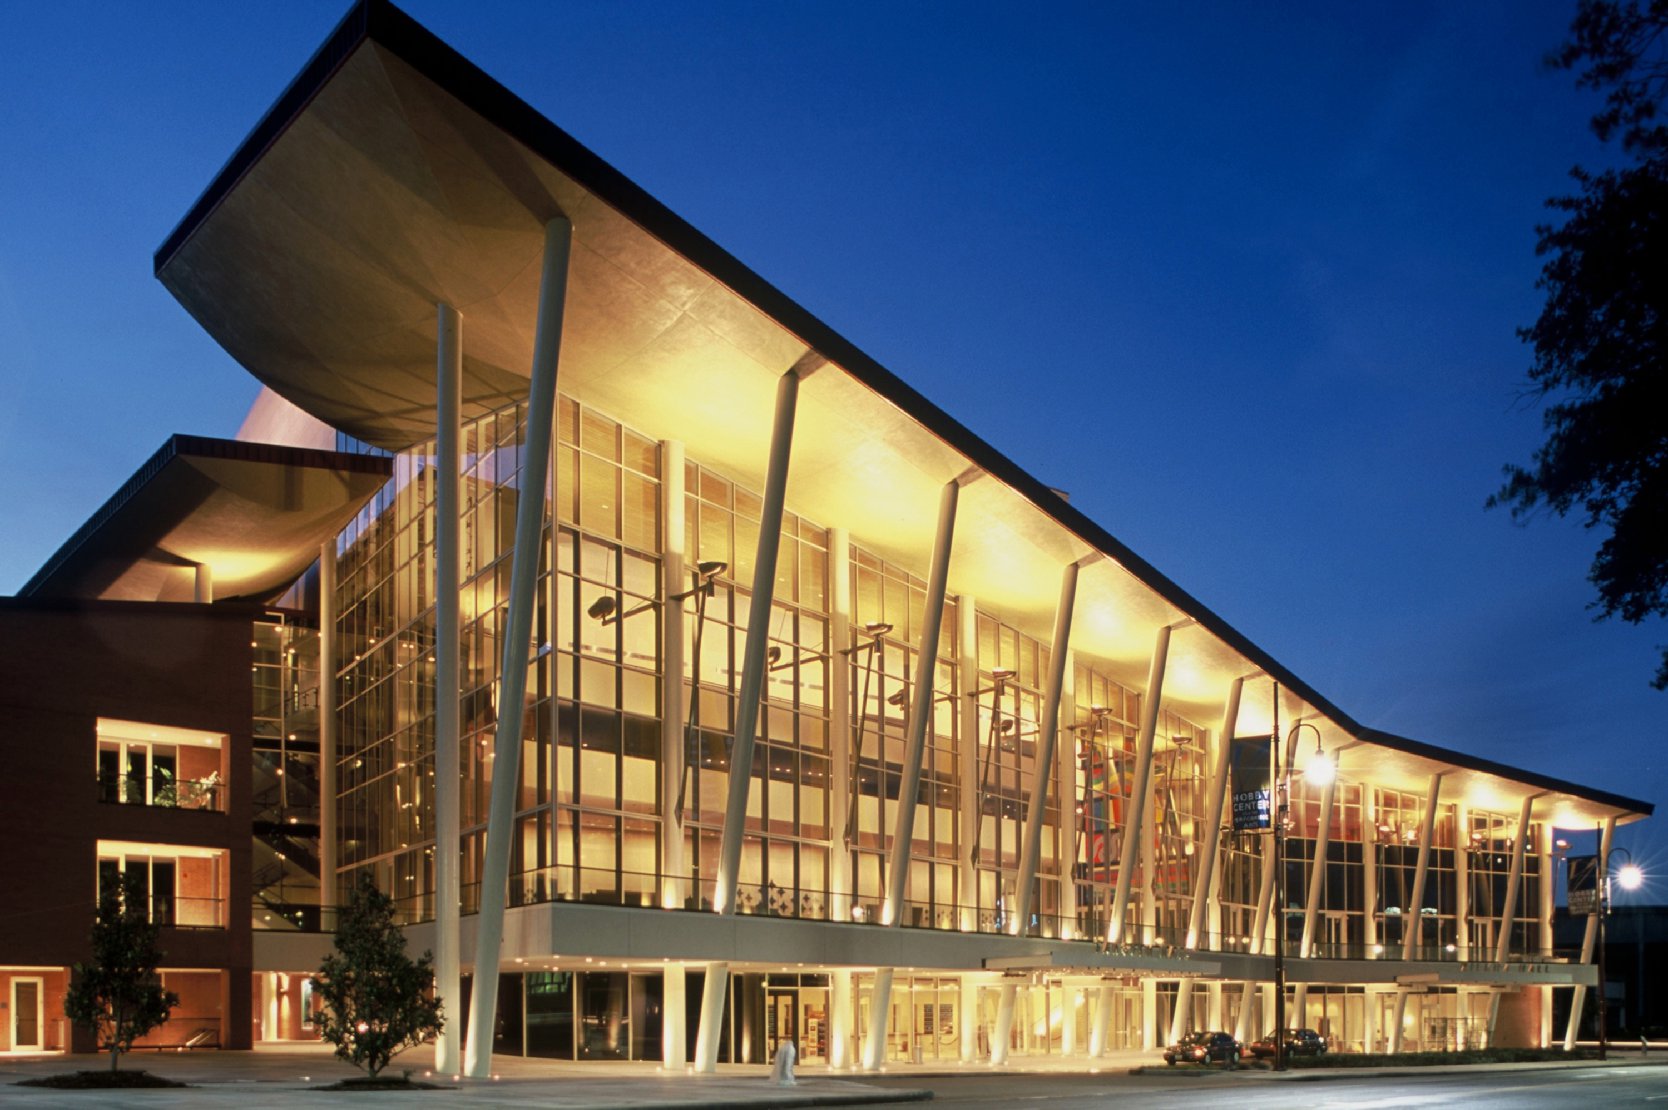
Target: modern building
(577,516)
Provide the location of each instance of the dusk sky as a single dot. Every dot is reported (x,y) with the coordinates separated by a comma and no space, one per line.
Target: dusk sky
(1243,279)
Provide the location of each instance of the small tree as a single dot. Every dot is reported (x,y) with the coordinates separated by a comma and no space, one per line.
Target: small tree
(119,992)
(377,1001)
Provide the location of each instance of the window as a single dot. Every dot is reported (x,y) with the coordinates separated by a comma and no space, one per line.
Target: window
(181,886)
(156,765)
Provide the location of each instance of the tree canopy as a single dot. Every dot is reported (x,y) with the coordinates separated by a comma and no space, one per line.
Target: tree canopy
(1599,342)
(119,992)
(377,1001)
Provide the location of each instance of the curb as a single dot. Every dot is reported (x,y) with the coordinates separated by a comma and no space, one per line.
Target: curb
(854,1098)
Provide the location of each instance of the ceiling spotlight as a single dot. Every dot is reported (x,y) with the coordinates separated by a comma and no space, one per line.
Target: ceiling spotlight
(877,628)
(711,568)
(897,698)
(602,608)
(1002,674)
(774,654)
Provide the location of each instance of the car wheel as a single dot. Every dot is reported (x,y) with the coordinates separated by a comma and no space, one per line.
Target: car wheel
(1233,1058)
(1169,1061)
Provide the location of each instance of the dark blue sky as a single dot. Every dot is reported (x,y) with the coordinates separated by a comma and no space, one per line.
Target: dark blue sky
(1243,279)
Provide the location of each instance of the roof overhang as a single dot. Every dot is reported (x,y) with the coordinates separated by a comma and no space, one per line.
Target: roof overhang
(253,513)
(393,175)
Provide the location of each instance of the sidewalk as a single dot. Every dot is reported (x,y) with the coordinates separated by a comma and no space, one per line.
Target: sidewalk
(276,1078)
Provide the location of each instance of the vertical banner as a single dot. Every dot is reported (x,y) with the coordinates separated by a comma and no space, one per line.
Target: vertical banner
(1583,885)
(1250,773)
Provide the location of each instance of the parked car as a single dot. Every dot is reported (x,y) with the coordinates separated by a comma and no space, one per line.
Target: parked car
(1202,1048)
(1299,1042)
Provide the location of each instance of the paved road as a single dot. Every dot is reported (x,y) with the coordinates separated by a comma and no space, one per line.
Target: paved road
(1499,1090)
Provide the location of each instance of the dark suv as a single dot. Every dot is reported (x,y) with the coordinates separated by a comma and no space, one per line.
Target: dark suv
(1299,1042)
(1202,1048)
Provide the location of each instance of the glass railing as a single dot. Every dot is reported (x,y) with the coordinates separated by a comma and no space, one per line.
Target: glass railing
(189,913)
(606,886)
(204,794)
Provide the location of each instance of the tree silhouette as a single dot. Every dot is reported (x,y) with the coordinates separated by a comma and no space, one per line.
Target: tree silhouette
(1601,337)
(119,992)
(377,1001)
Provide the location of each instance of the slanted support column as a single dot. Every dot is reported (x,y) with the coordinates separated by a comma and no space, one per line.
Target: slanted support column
(518,631)
(749,692)
(1589,942)
(1411,920)
(1003,1035)
(839,725)
(1135,820)
(713,993)
(757,643)
(1213,818)
(674,1029)
(202,585)
(1031,845)
(1100,1026)
(841,1026)
(448,416)
(1182,1014)
(1462,880)
(1508,912)
(674,711)
(967,761)
(1317,870)
(1068,793)
(1369,869)
(909,785)
(1259,936)
(969,1018)
(329,734)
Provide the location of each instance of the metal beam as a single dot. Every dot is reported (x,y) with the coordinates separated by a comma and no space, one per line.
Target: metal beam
(518,630)
(970,812)
(448,417)
(1031,846)
(329,734)
(1135,815)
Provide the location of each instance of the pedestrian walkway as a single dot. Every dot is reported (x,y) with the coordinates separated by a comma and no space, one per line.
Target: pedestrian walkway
(272,1078)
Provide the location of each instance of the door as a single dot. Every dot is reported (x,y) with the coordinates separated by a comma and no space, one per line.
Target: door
(27,1014)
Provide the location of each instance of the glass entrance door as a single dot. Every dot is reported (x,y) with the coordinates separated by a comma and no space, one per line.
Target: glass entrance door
(26,1014)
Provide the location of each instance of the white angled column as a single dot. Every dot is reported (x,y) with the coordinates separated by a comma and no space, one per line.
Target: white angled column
(1099,1025)
(749,692)
(1203,893)
(1317,870)
(1412,921)
(841,1026)
(1589,944)
(1135,817)
(1508,912)
(674,1028)
(920,706)
(329,735)
(1002,1038)
(909,787)
(518,631)
(674,870)
(448,416)
(1069,790)
(1031,846)
(967,758)
(202,586)
(839,727)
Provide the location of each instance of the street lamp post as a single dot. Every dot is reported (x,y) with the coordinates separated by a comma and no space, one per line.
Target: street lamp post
(1630,877)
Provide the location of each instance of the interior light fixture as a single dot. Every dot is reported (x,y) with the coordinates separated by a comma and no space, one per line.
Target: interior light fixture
(602,608)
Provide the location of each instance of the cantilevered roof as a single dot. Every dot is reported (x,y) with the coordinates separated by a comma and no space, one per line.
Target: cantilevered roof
(393,174)
(253,513)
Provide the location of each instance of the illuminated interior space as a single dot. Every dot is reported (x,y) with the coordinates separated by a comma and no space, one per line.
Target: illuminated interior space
(691,682)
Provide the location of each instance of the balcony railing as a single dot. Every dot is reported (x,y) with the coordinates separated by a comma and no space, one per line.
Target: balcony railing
(135,790)
(606,886)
